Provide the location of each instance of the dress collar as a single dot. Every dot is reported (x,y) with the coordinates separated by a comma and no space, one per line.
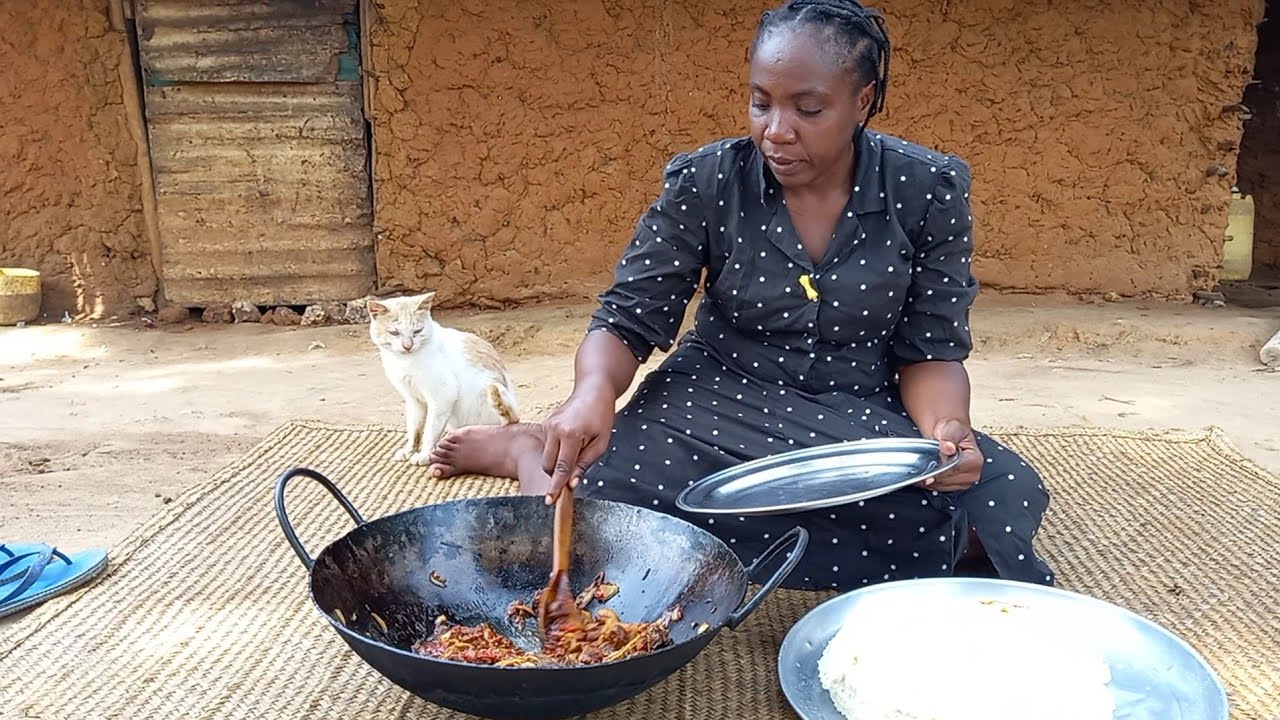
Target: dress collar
(868,185)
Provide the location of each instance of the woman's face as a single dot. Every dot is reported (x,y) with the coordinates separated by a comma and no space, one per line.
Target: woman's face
(805,106)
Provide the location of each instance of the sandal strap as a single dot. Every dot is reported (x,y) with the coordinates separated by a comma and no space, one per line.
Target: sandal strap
(27,578)
(11,554)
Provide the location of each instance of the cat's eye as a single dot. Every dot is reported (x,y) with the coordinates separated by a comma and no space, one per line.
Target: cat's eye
(393,331)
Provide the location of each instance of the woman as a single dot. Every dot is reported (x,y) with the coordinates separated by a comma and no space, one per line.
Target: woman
(835,263)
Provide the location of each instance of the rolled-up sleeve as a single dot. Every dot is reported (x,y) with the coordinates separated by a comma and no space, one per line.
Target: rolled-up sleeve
(660,269)
(935,317)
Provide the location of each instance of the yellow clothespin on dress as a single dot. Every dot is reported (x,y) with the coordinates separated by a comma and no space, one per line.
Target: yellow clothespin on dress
(811,292)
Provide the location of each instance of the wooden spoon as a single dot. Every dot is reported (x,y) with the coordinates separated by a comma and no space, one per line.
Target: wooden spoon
(558,608)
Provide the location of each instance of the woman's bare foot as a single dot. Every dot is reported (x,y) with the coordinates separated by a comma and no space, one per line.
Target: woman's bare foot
(509,451)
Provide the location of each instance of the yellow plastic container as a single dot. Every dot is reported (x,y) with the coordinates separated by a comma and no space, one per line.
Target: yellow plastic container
(1237,250)
(19,295)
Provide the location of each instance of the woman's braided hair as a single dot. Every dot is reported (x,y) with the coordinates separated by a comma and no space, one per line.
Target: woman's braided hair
(860,32)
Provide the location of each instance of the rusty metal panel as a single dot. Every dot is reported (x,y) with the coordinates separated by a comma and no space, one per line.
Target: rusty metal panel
(258,149)
(262,192)
(184,41)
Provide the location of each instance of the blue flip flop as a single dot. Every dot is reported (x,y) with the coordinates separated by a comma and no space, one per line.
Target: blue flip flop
(31,573)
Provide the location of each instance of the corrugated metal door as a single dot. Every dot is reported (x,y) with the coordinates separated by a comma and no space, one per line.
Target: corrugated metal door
(258,149)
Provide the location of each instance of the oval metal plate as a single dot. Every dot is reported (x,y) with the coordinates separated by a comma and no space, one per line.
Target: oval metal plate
(1155,675)
(819,477)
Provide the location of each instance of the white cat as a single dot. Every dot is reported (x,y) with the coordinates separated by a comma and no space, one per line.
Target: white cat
(448,378)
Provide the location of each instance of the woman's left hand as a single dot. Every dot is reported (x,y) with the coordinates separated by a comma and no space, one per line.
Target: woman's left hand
(956,436)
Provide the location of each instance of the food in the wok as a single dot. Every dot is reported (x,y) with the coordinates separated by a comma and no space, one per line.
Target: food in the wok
(577,638)
(982,660)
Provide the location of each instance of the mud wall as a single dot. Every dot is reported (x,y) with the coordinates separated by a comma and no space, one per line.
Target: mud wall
(517,141)
(1260,150)
(68,165)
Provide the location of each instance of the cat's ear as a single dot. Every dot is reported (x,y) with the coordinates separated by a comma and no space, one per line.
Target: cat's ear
(376,308)
(427,301)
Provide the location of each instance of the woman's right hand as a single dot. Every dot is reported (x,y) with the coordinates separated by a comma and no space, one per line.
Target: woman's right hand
(577,434)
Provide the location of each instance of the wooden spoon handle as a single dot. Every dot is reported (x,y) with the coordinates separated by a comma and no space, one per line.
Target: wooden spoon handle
(562,532)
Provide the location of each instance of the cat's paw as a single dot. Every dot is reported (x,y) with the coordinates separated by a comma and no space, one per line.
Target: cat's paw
(403,454)
(422,459)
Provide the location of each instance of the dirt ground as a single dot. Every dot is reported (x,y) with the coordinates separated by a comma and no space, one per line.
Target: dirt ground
(100,427)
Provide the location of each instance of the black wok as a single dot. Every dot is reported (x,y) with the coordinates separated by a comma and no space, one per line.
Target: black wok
(492,551)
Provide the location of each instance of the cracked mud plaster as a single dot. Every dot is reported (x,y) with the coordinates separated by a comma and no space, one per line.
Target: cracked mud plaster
(68,165)
(518,140)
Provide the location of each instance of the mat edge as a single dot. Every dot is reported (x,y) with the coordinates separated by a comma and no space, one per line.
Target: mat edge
(13,637)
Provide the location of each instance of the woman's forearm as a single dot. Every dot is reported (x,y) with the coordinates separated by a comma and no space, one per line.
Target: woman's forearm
(604,364)
(934,391)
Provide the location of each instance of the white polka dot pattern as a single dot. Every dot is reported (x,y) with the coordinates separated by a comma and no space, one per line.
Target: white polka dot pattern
(788,353)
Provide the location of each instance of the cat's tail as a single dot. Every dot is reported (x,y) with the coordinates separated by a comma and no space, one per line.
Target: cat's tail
(504,403)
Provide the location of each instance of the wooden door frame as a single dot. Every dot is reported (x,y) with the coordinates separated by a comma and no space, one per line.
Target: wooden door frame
(131,91)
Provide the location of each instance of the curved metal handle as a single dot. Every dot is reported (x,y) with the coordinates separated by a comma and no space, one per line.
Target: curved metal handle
(797,536)
(283,516)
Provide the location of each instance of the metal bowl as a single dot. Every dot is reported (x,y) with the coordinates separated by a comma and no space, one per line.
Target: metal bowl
(1155,675)
(381,586)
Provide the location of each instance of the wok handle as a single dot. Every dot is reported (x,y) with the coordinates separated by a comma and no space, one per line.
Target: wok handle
(798,539)
(283,516)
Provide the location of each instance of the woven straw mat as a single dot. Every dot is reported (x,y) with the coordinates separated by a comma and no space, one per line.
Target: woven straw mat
(205,612)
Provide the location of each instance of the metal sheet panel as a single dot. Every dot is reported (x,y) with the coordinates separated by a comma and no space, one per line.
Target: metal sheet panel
(248,40)
(262,192)
(262,187)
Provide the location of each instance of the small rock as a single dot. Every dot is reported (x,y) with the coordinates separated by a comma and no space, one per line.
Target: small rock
(269,317)
(315,345)
(1270,352)
(146,304)
(314,315)
(335,312)
(286,317)
(1210,299)
(1111,296)
(217,314)
(357,312)
(243,311)
(1216,170)
(173,314)
(22,323)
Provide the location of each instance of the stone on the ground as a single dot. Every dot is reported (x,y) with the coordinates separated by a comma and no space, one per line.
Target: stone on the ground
(173,314)
(217,314)
(244,311)
(335,312)
(314,315)
(358,311)
(1210,299)
(1270,352)
(285,317)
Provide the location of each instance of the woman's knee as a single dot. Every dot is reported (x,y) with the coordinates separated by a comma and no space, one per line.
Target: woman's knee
(1008,473)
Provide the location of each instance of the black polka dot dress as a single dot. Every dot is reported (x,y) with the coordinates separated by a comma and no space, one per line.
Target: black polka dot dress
(787,354)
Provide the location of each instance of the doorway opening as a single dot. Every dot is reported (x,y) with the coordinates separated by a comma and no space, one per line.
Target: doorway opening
(1258,168)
